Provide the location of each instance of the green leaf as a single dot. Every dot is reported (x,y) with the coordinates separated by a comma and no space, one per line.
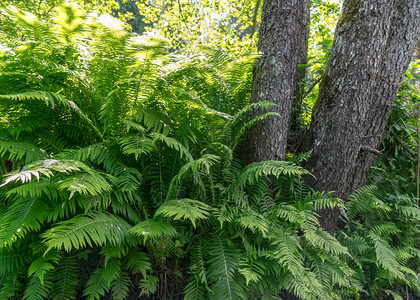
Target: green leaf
(153,229)
(257,170)
(94,228)
(40,266)
(186,209)
(23,215)
(85,184)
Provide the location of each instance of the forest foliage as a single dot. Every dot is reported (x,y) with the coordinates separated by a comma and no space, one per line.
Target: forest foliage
(122,176)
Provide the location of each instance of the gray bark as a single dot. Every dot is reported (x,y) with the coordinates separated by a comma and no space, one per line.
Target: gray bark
(299,91)
(403,37)
(281,36)
(345,97)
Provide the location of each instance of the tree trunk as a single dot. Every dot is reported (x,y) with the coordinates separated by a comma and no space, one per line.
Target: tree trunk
(345,97)
(402,40)
(299,91)
(282,34)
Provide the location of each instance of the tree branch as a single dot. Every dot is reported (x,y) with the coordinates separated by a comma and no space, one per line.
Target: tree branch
(370,149)
(254,18)
(403,145)
(312,87)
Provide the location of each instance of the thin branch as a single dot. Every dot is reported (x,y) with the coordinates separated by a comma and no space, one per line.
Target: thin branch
(407,148)
(312,87)
(370,149)
(254,18)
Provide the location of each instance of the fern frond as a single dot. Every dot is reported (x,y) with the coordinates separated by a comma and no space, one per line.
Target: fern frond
(290,213)
(52,99)
(25,214)
(386,229)
(101,280)
(148,285)
(34,189)
(195,290)
(85,184)
(96,228)
(253,221)
(184,209)
(66,279)
(12,261)
(173,143)
(222,265)
(385,255)
(197,168)
(253,271)
(120,287)
(138,262)
(16,151)
(43,264)
(99,153)
(36,290)
(325,201)
(128,179)
(324,240)
(305,287)
(153,229)
(136,145)
(255,171)
(286,252)
(46,168)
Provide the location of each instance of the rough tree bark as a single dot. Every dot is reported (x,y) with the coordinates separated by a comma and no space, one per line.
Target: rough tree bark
(282,34)
(345,97)
(403,37)
(299,91)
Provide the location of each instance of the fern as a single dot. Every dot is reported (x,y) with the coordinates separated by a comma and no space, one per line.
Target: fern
(42,265)
(66,279)
(96,228)
(153,229)
(184,209)
(37,290)
(286,252)
(253,172)
(386,256)
(120,287)
(101,279)
(114,131)
(25,214)
(221,272)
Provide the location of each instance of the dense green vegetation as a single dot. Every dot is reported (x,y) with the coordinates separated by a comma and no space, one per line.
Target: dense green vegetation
(122,178)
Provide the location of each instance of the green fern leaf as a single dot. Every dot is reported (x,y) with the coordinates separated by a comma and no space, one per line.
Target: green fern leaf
(17,151)
(324,240)
(195,290)
(287,252)
(86,230)
(138,262)
(25,214)
(12,261)
(85,184)
(120,287)
(36,290)
(255,171)
(148,285)
(46,168)
(43,264)
(153,229)
(223,263)
(386,256)
(66,279)
(136,145)
(184,209)
(254,221)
